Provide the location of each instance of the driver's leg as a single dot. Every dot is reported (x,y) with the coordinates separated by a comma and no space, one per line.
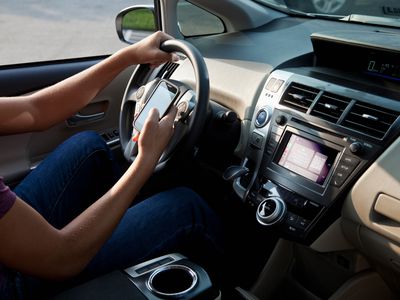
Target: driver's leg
(74,175)
(177,220)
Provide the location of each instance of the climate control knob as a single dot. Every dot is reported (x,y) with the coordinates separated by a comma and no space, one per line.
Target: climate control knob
(271,211)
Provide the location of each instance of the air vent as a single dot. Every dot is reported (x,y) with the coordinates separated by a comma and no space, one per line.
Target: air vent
(167,70)
(299,97)
(330,107)
(370,119)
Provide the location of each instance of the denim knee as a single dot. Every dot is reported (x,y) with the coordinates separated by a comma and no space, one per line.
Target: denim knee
(183,200)
(87,141)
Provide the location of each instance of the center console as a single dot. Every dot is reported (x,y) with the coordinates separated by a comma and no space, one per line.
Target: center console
(171,276)
(309,141)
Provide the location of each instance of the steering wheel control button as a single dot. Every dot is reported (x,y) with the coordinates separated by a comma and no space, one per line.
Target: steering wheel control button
(182,109)
(257,140)
(140,92)
(262,118)
(271,211)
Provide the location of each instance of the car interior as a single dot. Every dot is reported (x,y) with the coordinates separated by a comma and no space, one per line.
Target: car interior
(288,127)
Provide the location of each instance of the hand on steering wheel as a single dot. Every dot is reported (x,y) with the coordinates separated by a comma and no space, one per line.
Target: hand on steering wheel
(191,105)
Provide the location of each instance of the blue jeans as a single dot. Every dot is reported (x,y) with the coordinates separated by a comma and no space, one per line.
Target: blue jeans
(82,169)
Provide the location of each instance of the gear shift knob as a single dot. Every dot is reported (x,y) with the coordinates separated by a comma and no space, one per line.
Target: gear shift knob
(233,172)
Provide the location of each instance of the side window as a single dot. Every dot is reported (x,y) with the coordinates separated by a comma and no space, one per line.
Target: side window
(42,30)
(193,20)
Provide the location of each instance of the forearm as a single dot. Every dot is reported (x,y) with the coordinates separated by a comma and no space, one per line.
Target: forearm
(56,103)
(64,99)
(31,245)
(51,105)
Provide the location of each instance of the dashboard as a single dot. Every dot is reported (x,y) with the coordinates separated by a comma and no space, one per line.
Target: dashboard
(314,117)
(310,139)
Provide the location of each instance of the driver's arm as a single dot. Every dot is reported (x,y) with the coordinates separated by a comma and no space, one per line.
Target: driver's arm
(49,106)
(31,245)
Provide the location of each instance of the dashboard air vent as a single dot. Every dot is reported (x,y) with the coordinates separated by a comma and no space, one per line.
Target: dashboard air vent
(370,119)
(330,107)
(299,96)
(167,70)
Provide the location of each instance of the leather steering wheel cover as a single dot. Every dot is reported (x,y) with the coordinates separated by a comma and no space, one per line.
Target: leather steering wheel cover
(140,76)
(198,119)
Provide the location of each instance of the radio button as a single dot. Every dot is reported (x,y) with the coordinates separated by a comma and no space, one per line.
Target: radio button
(346,166)
(346,169)
(350,161)
(339,178)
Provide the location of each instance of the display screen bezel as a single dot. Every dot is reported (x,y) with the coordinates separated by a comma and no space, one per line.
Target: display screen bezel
(326,147)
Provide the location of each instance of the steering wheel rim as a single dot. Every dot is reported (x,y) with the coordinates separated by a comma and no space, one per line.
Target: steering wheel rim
(198,116)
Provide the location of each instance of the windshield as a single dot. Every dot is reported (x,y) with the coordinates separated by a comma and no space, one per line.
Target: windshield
(389,9)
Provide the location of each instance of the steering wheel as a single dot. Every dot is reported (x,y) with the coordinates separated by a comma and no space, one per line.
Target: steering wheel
(192,105)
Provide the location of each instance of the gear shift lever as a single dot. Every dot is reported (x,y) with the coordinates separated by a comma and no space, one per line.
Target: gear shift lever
(233,172)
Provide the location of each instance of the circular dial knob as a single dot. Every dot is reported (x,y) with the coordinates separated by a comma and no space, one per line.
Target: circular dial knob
(356,147)
(280,120)
(271,211)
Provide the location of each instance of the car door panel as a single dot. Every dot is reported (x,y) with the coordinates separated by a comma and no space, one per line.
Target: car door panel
(22,152)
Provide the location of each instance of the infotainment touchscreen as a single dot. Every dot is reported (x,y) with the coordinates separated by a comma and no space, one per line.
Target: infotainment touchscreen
(307,158)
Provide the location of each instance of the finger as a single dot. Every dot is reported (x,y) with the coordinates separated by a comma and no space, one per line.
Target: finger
(135,138)
(174,57)
(164,57)
(164,36)
(154,115)
(170,116)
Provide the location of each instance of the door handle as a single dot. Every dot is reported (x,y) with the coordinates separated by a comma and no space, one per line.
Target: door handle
(79,118)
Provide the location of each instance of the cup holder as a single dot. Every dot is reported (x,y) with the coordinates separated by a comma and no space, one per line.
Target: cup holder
(172,281)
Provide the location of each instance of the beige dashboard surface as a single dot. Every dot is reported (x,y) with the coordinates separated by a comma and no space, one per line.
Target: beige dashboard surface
(374,201)
(234,84)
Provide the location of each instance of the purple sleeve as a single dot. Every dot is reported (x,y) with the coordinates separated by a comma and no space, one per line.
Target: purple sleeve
(7,198)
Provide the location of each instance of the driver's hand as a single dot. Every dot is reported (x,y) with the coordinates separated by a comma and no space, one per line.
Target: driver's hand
(147,51)
(156,133)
